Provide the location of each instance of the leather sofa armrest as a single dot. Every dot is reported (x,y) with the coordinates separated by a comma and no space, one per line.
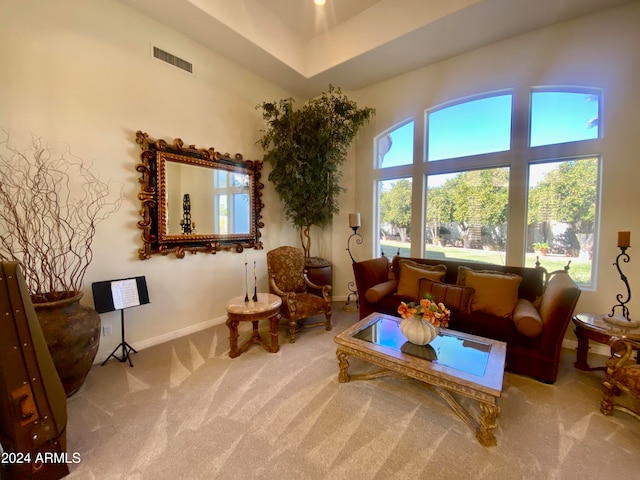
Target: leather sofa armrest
(527,319)
(378,292)
(369,273)
(558,301)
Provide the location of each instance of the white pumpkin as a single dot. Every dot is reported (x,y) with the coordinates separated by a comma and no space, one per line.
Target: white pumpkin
(418,331)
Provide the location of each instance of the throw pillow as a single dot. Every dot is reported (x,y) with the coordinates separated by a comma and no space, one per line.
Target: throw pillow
(527,318)
(412,272)
(453,296)
(496,293)
(378,292)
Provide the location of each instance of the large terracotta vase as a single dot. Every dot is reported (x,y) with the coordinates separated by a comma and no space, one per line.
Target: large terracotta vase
(72,332)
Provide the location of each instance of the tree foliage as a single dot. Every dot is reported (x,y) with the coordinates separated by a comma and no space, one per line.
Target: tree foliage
(479,198)
(395,207)
(470,200)
(306,148)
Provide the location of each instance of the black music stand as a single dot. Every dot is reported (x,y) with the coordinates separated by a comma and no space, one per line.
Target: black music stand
(112,295)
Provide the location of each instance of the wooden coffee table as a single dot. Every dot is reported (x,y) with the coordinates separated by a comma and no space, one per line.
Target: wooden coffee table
(454,363)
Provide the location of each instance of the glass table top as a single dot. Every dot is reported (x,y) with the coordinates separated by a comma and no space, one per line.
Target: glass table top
(448,349)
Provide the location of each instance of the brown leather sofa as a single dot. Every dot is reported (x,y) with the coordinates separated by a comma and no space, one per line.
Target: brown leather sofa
(549,298)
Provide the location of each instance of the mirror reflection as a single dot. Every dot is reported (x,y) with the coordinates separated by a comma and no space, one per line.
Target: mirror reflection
(206,201)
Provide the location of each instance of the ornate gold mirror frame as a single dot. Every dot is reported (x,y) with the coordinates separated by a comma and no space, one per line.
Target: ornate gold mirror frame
(197,200)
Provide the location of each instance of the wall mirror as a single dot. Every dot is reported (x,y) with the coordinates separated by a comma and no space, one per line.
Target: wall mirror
(197,200)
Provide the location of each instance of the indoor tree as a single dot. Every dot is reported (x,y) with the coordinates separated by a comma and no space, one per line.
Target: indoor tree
(306,148)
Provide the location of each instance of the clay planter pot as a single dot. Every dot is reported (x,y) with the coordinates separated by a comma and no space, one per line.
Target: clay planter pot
(72,332)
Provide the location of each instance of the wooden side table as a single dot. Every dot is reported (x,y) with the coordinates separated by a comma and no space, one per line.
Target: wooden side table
(266,308)
(591,326)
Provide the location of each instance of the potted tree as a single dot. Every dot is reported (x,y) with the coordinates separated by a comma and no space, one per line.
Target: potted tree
(306,148)
(50,205)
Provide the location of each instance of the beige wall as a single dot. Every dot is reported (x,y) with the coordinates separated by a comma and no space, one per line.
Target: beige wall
(81,73)
(600,51)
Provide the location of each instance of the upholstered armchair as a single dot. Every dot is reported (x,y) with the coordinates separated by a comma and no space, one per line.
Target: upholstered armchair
(288,279)
(621,376)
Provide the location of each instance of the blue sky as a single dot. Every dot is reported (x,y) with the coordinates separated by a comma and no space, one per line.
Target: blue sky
(484,126)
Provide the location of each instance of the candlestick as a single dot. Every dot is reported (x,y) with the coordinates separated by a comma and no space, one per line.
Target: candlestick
(622,301)
(255,280)
(354,224)
(246,280)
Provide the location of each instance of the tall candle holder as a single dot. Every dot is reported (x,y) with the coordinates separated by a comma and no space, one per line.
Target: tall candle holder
(622,303)
(358,241)
(624,242)
(354,224)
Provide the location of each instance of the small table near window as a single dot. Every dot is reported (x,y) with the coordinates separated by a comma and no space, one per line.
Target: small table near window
(266,308)
(591,326)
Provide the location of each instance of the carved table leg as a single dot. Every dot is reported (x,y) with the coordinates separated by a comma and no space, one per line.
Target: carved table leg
(583,349)
(233,337)
(274,322)
(488,423)
(343,363)
(255,334)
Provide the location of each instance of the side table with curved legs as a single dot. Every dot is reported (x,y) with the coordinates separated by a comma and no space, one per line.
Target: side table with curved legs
(266,308)
(591,326)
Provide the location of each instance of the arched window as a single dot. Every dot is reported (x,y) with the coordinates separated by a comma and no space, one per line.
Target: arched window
(537,149)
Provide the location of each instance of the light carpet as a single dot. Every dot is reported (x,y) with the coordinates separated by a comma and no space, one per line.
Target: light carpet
(188,411)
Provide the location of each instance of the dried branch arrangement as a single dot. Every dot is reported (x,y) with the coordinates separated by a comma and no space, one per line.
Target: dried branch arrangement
(50,205)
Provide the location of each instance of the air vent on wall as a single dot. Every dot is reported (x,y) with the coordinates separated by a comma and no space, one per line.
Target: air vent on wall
(172,60)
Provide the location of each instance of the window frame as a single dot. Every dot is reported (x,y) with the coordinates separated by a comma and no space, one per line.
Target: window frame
(517,159)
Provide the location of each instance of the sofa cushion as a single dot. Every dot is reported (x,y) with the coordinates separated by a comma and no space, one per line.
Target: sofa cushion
(495,292)
(377,292)
(412,272)
(527,318)
(453,296)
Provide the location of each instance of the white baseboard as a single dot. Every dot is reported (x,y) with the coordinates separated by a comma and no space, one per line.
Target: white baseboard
(165,337)
(596,348)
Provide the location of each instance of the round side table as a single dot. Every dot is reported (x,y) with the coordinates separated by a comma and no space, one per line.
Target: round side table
(591,326)
(266,308)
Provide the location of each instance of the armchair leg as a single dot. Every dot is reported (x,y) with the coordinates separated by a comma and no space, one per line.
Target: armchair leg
(609,391)
(293,326)
(328,325)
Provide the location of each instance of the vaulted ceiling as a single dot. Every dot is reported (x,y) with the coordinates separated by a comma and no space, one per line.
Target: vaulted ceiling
(353,43)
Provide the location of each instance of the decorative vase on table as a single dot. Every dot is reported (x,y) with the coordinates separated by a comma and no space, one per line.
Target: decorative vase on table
(418,331)
(72,332)
(421,323)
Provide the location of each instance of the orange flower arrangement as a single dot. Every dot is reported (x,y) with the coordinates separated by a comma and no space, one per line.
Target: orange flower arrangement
(428,309)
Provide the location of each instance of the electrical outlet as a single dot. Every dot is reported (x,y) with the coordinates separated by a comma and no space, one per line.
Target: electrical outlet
(106,330)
